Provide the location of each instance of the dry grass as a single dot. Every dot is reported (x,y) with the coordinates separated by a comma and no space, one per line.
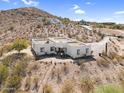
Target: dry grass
(82,66)
(27,84)
(65,68)
(86,85)
(47,88)
(102,63)
(121,75)
(32,67)
(67,87)
(5,49)
(35,82)
(119,58)
(111,55)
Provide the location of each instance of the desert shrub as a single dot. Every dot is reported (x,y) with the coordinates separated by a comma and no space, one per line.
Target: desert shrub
(103,63)
(20,44)
(7,61)
(20,68)
(12,59)
(108,89)
(12,84)
(115,57)
(86,85)
(47,88)
(119,58)
(3,73)
(111,55)
(67,87)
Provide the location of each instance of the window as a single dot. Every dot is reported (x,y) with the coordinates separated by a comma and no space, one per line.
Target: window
(78,52)
(87,50)
(42,49)
(52,48)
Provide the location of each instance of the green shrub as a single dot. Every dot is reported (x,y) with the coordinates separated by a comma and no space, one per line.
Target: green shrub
(3,73)
(7,61)
(12,59)
(108,89)
(20,69)
(20,44)
(12,84)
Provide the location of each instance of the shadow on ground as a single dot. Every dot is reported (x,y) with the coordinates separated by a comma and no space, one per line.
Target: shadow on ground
(77,60)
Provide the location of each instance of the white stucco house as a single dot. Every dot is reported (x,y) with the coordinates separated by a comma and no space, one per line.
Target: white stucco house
(61,46)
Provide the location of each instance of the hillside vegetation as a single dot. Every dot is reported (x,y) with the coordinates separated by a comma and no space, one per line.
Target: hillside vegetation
(21,73)
(31,23)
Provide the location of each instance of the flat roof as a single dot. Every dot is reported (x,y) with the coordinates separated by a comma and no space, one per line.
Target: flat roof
(63,40)
(39,41)
(72,42)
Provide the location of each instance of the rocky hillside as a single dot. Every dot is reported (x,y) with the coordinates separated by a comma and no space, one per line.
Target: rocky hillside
(20,73)
(32,23)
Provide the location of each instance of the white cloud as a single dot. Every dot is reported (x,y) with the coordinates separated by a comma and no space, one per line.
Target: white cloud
(88,3)
(79,11)
(119,12)
(30,2)
(15,3)
(75,7)
(5,0)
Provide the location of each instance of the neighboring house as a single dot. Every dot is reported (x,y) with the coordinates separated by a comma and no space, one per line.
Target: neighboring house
(61,46)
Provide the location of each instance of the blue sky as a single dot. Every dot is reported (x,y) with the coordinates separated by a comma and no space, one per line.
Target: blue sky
(90,10)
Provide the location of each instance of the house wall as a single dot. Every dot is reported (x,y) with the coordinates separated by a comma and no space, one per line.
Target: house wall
(47,48)
(99,47)
(72,51)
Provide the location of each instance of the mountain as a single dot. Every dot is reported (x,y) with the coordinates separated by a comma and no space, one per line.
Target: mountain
(34,23)
(21,73)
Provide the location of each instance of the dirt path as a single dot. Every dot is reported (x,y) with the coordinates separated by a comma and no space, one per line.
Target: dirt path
(27,51)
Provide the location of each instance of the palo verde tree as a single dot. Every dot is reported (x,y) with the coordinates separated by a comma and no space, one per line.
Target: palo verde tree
(20,44)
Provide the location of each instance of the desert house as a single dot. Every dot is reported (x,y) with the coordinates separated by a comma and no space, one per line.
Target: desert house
(61,46)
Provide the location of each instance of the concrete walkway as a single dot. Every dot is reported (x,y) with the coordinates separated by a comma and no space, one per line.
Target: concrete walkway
(99,47)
